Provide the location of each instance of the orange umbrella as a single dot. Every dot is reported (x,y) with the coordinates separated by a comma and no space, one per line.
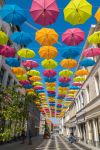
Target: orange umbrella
(51,84)
(82,72)
(68,63)
(35,78)
(62,88)
(18,70)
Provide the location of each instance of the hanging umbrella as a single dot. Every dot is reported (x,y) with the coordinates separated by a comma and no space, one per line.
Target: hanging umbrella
(63,84)
(26,53)
(73,36)
(43,12)
(64,79)
(82,72)
(21,77)
(18,70)
(29,86)
(63,88)
(51,88)
(77,12)
(65,73)
(76,84)
(3,38)
(39,91)
(49,73)
(91,52)
(37,83)
(68,63)
(7,51)
(38,88)
(30,64)
(13,14)
(48,52)
(49,64)
(35,78)
(87,62)
(94,38)
(97,15)
(46,37)
(12,62)
(21,38)
(74,88)
(50,80)
(51,92)
(79,79)
(51,95)
(33,73)
(24,82)
(51,84)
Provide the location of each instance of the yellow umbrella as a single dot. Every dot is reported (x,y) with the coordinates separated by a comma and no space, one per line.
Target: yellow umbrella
(72,91)
(68,63)
(50,84)
(65,73)
(77,12)
(48,52)
(35,78)
(82,72)
(94,38)
(46,36)
(21,77)
(79,79)
(29,90)
(49,64)
(37,83)
(33,73)
(97,15)
(26,53)
(18,70)
(62,92)
(3,38)
(63,88)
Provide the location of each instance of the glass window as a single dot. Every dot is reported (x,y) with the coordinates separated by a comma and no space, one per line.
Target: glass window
(97,80)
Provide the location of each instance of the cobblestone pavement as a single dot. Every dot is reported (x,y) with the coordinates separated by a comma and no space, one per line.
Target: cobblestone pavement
(55,143)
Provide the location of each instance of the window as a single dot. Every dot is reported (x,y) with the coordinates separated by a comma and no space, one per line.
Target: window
(97,80)
(82,101)
(87,94)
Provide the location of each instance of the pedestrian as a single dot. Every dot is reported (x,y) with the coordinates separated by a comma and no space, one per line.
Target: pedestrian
(29,137)
(72,138)
(23,136)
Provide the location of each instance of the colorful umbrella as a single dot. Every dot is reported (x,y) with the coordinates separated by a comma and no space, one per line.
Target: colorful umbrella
(21,38)
(29,86)
(87,62)
(82,72)
(63,84)
(51,84)
(63,88)
(39,91)
(65,73)
(18,70)
(94,38)
(35,78)
(49,64)
(64,79)
(50,79)
(37,83)
(13,14)
(68,63)
(79,79)
(7,51)
(30,64)
(38,88)
(21,77)
(3,38)
(51,95)
(12,62)
(46,37)
(43,12)
(77,12)
(51,92)
(97,15)
(73,36)
(26,53)
(49,73)
(48,52)
(74,88)
(91,52)
(76,84)
(51,88)
(24,82)
(33,73)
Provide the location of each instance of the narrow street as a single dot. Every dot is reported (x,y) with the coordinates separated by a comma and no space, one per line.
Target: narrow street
(55,143)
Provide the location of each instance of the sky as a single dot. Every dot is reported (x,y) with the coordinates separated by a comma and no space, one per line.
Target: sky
(60,26)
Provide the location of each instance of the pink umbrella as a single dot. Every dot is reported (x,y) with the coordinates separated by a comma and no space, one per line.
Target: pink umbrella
(44,12)
(24,82)
(76,84)
(49,73)
(64,79)
(73,36)
(38,88)
(91,52)
(61,95)
(7,51)
(30,64)
(51,92)
(59,105)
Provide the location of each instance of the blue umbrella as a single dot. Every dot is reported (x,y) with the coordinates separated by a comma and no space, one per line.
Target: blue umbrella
(12,14)
(50,79)
(51,104)
(69,99)
(63,84)
(51,95)
(39,91)
(87,62)
(12,62)
(29,86)
(71,53)
(21,38)
(74,88)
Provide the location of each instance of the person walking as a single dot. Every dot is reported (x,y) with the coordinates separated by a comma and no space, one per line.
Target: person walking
(29,137)
(23,136)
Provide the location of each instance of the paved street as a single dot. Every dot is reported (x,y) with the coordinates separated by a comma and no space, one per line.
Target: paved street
(55,143)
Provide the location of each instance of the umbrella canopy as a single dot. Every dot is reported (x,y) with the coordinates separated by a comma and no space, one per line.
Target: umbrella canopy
(74,88)
(51,92)
(49,73)
(79,79)
(46,36)
(51,88)
(18,70)
(44,12)
(86,62)
(68,63)
(26,53)
(38,88)
(76,84)
(21,77)
(29,86)
(64,79)
(12,62)
(71,53)
(63,84)
(51,95)
(77,12)
(13,14)
(30,64)
(94,38)
(33,73)
(82,72)
(65,73)
(48,52)
(50,80)
(3,38)
(7,51)
(91,52)
(24,82)
(97,15)
(63,88)
(35,78)
(39,91)
(21,38)
(50,84)
(49,64)
(73,36)
(37,83)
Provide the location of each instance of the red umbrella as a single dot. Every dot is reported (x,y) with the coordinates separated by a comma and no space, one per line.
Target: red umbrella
(91,52)
(30,64)
(38,88)
(44,12)
(24,82)
(64,79)
(49,73)
(7,51)
(76,84)
(51,92)
(73,36)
